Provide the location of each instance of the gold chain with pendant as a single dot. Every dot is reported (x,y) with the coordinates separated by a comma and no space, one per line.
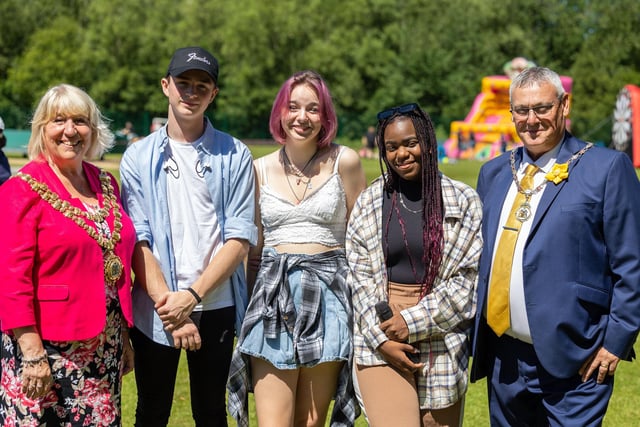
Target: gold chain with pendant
(113,266)
(524,210)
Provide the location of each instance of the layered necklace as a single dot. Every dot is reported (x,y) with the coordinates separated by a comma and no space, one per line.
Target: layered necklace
(113,266)
(523,212)
(301,178)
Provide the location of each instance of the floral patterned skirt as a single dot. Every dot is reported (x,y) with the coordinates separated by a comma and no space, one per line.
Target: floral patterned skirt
(87,379)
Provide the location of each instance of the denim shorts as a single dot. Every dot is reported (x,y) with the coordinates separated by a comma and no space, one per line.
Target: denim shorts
(280,352)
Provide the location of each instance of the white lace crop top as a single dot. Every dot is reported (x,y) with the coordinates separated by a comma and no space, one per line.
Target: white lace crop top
(319,218)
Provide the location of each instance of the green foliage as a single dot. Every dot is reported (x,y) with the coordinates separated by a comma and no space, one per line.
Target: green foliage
(41,67)
(373,53)
(608,59)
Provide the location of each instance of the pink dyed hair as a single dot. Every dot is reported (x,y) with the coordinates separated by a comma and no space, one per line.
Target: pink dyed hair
(328,117)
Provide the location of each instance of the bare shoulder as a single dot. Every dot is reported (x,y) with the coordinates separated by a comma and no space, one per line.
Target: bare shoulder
(352,173)
(268,159)
(349,159)
(269,165)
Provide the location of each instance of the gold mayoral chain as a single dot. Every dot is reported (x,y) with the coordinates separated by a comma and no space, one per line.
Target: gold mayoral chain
(113,266)
(523,212)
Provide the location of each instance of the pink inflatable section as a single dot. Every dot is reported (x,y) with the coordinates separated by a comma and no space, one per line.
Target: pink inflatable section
(488,130)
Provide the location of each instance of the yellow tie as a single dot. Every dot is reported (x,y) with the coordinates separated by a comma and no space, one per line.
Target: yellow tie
(498,316)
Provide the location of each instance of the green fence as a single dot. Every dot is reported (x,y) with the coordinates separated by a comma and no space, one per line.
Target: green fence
(17,141)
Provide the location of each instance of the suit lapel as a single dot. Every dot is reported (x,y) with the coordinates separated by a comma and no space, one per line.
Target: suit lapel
(570,146)
(496,197)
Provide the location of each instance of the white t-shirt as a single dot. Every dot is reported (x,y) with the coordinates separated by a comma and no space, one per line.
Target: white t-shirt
(195,230)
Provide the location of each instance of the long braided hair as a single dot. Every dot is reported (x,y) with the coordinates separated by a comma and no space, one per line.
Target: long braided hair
(432,204)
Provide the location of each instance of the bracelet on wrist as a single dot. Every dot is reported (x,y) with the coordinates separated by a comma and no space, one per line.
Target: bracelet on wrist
(195,295)
(30,363)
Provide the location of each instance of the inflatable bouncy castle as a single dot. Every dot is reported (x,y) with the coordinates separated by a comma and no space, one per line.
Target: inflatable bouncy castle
(488,130)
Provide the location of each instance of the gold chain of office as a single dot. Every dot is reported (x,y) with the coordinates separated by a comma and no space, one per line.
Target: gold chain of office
(524,210)
(113,266)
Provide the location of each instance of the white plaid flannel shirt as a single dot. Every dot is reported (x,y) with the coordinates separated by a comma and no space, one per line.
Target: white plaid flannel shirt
(439,325)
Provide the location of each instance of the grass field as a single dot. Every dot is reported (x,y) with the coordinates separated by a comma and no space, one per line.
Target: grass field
(624,409)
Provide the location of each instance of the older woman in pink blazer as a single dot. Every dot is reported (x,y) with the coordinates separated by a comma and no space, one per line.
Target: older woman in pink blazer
(65,262)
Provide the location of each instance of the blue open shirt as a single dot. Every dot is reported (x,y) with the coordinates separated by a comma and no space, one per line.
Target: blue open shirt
(229,174)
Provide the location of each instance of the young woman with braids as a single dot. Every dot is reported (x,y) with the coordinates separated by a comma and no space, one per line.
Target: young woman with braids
(414,242)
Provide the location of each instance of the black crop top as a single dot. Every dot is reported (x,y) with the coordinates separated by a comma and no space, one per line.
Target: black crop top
(397,259)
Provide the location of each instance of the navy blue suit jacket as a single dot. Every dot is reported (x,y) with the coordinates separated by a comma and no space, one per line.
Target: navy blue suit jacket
(581,261)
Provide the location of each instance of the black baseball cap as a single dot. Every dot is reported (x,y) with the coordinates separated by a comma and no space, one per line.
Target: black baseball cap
(193,58)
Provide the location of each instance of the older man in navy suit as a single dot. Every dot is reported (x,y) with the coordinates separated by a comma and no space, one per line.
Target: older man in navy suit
(559,280)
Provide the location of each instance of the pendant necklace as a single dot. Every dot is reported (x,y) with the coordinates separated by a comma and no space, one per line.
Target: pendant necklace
(523,212)
(300,174)
(113,265)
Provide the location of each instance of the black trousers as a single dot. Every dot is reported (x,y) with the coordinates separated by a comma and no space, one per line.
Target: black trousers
(156,367)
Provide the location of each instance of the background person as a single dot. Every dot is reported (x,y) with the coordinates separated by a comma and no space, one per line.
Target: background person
(517,65)
(189,189)
(295,345)
(559,282)
(128,133)
(368,143)
(413,240)
(5,168)
(65,261)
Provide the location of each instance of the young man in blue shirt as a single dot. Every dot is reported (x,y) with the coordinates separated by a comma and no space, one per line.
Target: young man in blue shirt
(189,189)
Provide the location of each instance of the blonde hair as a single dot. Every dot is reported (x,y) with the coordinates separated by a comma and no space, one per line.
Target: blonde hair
(69,101)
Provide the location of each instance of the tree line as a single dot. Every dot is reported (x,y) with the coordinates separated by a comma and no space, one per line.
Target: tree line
(373,53)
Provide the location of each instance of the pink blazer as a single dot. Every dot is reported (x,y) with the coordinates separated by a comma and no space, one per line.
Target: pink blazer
(51,270)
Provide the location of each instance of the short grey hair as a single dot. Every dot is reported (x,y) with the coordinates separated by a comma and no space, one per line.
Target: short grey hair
(535,76)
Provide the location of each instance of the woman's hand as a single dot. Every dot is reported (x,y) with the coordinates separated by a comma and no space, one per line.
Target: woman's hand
(396,328)
(395,353)
(36,372)
(127,352)
(36,377)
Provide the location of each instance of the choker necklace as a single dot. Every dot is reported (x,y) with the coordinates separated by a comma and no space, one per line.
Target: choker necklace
(113,266)
(300,174)
(523,213)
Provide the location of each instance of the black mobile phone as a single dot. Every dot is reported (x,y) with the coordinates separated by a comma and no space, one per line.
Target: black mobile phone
(414,357)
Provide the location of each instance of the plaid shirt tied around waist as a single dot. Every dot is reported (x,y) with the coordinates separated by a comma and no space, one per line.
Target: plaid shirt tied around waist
(272,303)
